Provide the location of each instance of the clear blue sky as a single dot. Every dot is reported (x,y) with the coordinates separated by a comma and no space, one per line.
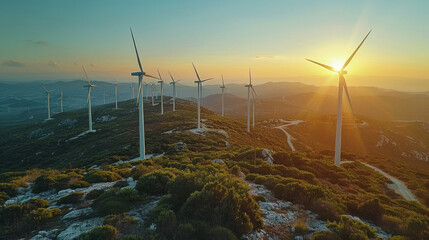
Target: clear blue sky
(52,39)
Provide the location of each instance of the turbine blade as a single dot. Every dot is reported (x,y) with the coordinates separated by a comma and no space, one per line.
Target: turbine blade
(343,80)
(223,83)
(198,76)
(323,65)
(147,75)
(46,90)
(250,77)
(353,54)
(172,79)
(207,79)
(86,75)
(178,80)
(253,90)
(159,74)
(137,53)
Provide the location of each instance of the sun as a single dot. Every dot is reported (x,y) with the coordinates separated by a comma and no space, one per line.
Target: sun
(337,65)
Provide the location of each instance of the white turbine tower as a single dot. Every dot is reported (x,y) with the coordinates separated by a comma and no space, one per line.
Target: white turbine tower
(223,102)
(173,82)
(116,95)
(253,105)
(131,91)
(145,86)
(342,85)
(249,86)
(200,90)
(104,96)
(88,100)
(48,92)
(140,100)
(152,89)
(162,91)
(61,101)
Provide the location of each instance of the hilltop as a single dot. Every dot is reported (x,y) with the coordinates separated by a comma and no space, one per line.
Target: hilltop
(219,183)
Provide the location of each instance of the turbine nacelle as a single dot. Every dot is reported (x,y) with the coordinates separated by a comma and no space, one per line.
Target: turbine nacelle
(138,73)
(342,72)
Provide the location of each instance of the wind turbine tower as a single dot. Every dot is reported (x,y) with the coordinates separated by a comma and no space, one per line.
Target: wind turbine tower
(48,92)
(104,96)
(173,82)
(61,101)
(249,86)
(223,102)
(88,100)
(342,85)
(162,92)
(116,95)
(200,89)
(140,100)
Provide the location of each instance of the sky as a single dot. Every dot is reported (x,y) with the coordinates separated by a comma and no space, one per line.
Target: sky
(51,40)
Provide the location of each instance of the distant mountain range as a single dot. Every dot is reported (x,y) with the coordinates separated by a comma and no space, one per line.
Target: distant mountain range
(23,102)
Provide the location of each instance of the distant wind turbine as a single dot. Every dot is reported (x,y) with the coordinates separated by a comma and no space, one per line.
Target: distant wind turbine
(162,91)
(173,82)
(88,100)
(116,94)
(48,92)
(223,102)
(342,85)
(152,89)
(61,101)
(200,89)
(104,96)
(249,86)
(131,91)
(140,100)
(145,86)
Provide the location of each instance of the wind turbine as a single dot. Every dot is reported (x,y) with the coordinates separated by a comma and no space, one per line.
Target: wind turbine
(152,89)
(61,101)
(249,86)
(88,100)
(48,92)
(200,90)
(104,95)
(173,82)
(116,95)
(162,91)
(342,85)
(131,91)
(140,100)
(146,85)
(223,103)
(253,105)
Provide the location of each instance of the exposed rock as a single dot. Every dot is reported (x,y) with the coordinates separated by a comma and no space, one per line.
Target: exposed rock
(77,228)
(383,140)
(268,156)
(227,144)
(45,235)
(67,123)
(105,118)
(140,213)
(380,232)
(77,213)
(218,161)
(39,133)
(180,146)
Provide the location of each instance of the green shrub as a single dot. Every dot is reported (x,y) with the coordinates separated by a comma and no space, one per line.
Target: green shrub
(121,222)
(371,210)
(221,233)
(94,194)
(301,227)
(399,238)
(325,235)
(236,170)
(3,197)
(8,188)
(185,232)
(11,214)
(115,201)
(325,210)
(120,184)
(166,223)
(97,176)
(347,228)
(35,203)
(42,215)
(154,183)
(105,232)
(79,184)
(133,237)
(72,198)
